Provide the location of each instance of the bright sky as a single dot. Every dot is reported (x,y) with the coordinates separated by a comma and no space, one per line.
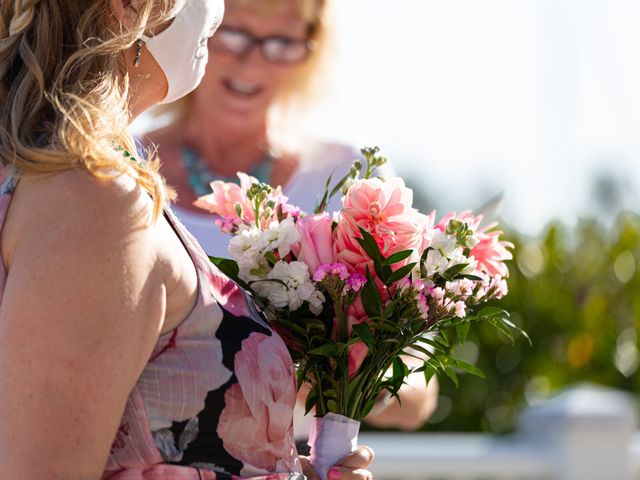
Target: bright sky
(469,98)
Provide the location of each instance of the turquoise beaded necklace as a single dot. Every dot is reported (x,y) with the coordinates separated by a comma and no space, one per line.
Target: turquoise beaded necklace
(200,176)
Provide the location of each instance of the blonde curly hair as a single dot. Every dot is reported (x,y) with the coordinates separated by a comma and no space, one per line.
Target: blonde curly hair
(64,88)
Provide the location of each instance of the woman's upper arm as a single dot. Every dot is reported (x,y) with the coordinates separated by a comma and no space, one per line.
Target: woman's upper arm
(81,311)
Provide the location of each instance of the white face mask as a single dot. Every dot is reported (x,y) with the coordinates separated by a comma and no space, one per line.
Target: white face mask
(181,50)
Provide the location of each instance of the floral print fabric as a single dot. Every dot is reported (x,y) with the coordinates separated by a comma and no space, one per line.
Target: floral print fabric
(216,398)
(215,401)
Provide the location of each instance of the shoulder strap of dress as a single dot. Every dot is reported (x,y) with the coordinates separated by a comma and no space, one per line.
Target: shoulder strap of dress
(8,185)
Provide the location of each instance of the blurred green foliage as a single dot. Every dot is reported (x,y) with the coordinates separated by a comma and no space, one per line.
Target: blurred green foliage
(577,294)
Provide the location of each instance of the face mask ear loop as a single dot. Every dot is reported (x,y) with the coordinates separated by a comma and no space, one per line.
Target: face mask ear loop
(139,42)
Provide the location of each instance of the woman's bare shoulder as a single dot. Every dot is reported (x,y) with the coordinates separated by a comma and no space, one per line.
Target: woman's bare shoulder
(73,206)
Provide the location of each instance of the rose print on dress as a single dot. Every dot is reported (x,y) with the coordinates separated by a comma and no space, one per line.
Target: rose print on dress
(262,403)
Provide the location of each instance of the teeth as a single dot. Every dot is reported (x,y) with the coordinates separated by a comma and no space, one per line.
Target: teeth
(241,87)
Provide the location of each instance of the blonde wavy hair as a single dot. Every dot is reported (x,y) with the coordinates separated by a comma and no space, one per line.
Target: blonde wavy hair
(64,88)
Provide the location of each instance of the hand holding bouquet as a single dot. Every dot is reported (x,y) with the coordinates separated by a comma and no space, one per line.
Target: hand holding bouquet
(355,292)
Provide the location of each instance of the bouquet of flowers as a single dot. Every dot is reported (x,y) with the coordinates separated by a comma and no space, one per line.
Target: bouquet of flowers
(356,293)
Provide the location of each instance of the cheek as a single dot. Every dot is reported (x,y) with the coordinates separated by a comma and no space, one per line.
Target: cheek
(278,78)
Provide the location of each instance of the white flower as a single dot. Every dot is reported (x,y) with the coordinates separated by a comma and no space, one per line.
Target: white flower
(447,245)
(276,293)
(460,309)
(316,301)
(293,273)
(244,246)
(289,285)
(447,254)
(279,236)
(244,249)
(436,262)
(461,288)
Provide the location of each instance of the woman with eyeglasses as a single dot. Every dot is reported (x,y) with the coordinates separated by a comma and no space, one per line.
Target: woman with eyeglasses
(266,56)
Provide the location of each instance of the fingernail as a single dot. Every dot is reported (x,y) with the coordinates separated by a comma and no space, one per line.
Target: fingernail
(334,474)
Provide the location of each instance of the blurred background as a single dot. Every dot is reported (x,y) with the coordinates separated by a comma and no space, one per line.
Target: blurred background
(534,100)
(538,100)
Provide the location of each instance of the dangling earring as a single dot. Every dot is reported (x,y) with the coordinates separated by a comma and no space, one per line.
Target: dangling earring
(136,60)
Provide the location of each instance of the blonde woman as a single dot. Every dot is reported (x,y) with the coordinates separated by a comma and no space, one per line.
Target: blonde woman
(123,353)
(267,55)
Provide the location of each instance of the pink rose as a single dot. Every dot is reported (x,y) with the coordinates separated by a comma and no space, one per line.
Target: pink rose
(261,403)
(382,208)
(316,244)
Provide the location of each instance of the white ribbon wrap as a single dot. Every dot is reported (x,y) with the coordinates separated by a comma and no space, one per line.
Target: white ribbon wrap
(331,438)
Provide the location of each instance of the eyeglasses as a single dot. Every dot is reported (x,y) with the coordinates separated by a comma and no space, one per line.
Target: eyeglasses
(275,49)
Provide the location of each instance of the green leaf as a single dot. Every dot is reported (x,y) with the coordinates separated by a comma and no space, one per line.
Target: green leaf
(429,372)
(439,346)
(400,273)
(327,350)
(371,300)
(400,371)
(323,202)
(311,401)
(425,351)
(490,311)
(462,331)
(340,184)
(450,372)
(230,269)
(451,273)
(425,254)
(227,266)
(369,245)
(397,257)
(471,277)
(364,333)
(466,367)
(292,326)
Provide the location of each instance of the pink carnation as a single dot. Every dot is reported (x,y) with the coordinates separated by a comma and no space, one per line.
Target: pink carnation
(384,209)
(334,269)
(355,282)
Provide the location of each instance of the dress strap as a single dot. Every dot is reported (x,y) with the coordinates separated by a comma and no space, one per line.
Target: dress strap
(8,185)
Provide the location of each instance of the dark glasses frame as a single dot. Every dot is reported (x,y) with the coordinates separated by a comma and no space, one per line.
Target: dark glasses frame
(253,41)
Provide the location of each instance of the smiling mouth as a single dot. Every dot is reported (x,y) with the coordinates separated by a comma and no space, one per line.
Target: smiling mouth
(243,89)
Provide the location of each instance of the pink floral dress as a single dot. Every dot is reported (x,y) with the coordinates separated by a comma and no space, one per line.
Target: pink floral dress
(215,401)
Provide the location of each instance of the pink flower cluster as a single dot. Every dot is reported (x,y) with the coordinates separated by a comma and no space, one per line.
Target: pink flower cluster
(225,199)
(458,262)
(488,250)
(230,205)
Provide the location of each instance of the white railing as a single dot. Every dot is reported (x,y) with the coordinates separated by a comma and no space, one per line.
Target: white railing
(585,433)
